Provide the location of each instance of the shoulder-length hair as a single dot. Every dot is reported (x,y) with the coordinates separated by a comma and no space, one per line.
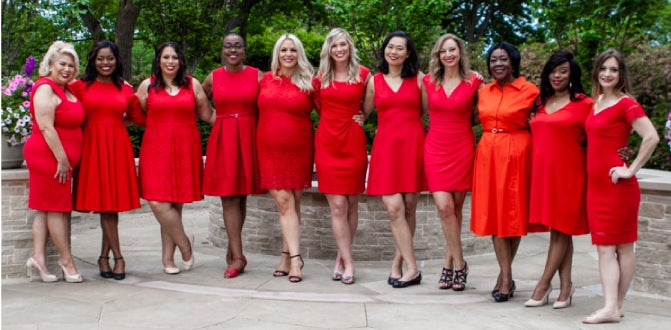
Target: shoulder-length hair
(181,79)
(575,86)
(302,74)
(90,74)
(513,53)
(623,83)
(411,63)
(327,64)
(57,49)
(436,66)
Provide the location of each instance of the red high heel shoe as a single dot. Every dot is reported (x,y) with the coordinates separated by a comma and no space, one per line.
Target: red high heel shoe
(234,272)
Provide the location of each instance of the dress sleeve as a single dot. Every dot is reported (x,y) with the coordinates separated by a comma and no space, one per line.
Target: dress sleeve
(633,111)
(134,110)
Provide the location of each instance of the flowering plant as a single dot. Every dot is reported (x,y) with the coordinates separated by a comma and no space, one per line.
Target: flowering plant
(16,105)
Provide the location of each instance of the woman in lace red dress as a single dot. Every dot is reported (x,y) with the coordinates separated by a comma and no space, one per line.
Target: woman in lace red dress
(285,141)
(613,194)
(171,162)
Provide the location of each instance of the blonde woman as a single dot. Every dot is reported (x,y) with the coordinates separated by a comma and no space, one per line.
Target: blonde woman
(285,138)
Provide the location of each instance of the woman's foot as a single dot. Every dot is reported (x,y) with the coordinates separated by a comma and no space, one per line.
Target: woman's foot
(236,267)
(460,278)
(602,316)
(119,272)
(446,279)
(283,267)
(188,264)
(297,263)
(104,266)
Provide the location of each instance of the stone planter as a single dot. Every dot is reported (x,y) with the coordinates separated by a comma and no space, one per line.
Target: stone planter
(12,156)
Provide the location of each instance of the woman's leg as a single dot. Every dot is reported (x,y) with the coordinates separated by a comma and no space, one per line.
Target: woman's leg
(340,210)
(402,228)
(109,222)
(234,212)
(449,206)
(288,204)
(609,271)
(556,255)
(565,282)
(40,235)
(57,222)
(503,248)
(169,216)
(627,261)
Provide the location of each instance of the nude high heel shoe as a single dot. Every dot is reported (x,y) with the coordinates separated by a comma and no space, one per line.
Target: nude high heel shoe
(70,278)
(32,265)
(188,264)
(538,303)
(563,304)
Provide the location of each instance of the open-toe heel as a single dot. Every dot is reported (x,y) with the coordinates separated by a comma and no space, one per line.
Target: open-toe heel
(295,278)
(279,272)
(446,279)
(460,277)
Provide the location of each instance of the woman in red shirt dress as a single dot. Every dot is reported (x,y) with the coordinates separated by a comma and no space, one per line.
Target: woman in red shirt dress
(613,194)
(340,143)
(232,165)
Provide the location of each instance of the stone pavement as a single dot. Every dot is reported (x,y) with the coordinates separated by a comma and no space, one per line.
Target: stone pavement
(203,299)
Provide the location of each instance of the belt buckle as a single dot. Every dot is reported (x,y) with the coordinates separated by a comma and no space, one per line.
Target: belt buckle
(495,130)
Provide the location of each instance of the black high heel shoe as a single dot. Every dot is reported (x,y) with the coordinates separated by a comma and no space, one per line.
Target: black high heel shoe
(122,275)
(104,274)
(502,297)
(295,278)
(404,284)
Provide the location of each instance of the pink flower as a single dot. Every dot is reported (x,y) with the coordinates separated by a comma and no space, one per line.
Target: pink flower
(26,104)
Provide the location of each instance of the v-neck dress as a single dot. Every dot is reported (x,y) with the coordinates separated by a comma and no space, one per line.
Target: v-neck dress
(449,148)
(612,209)
(559,175)
(396,161)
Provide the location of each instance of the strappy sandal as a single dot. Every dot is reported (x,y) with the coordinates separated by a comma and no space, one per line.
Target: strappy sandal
(294,278)
(445,282)
(279,272)
(460,277)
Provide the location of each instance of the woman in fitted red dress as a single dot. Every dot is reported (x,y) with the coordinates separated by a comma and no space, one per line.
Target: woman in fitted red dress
(171,162)
(613,194)
(396,171)
(51,152)
(105,181)
(285,141)
(449,148)
(340,143)
(232,165)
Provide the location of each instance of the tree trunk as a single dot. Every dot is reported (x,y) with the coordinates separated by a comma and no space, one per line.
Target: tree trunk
(125,30)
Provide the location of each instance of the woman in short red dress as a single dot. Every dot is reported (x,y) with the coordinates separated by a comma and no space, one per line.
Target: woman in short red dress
(396,164)
(231,166)
(613,194)
(171,162)
(51,152)
(449,148)
(340,143)
(105,181)
(285,142)
(558,177)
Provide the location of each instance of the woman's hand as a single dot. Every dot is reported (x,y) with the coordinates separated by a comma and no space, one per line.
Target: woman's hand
(63,171)
(359,119)
(620,172)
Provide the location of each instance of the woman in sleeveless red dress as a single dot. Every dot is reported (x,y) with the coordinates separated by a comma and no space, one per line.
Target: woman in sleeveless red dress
(232,165)
(396,171)
(105,181)
(285,141)
(559,178)
(502,167)
(449,148)
(613,194)
(51,152)
(171,161)
(340,143)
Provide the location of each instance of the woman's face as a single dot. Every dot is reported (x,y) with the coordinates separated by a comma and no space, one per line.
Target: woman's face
(169,61)
(560,77)
(62,70)
(396,52)
(340,50)
(449,54)
(501,66)
(288,54)
(609,73)
(105,62)
(233,50)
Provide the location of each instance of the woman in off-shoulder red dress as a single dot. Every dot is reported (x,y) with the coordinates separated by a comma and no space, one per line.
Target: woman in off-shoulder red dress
(106,180)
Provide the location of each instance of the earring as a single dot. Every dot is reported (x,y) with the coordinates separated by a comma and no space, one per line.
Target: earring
(570,85)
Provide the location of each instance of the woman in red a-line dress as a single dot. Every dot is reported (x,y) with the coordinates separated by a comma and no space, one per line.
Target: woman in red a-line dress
(340,143)
(449,148)
(285,141)
(232,165)
(105,181)
(171,162)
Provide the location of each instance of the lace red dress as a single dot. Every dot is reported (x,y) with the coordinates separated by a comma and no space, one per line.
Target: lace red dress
(106,179)
(285,134)
(45,193)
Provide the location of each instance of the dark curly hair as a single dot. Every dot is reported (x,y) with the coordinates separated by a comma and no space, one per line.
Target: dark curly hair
(181,79)
(91,73)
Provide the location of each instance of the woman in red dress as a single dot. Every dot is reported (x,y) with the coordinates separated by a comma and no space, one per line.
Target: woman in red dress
(613,194)
(51,152)
(105,181)
(396,170)
(559,178)
(502,169)
(231,166)
(171,162)
(285,142)
(340,143)
(449,149)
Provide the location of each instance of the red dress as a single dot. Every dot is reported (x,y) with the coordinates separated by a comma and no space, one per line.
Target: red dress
(340,143)
(45,192)
(502,170)
(396,161)
(171,161)
(106,179)
(285,135)
(232,165)
(558,176)
(612,209)
(449,148)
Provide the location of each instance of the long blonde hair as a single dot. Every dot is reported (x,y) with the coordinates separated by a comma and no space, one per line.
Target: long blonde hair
(57,49)
(436,66)
(302,74)
(327,64)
